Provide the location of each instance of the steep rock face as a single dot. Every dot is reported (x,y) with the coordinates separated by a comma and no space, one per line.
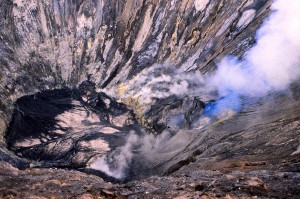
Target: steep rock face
(120,46)
(49,44)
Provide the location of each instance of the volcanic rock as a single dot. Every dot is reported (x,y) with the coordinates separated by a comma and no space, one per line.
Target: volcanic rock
(78,76)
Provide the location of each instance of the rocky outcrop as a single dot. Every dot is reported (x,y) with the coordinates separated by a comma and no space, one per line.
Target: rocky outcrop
(44,183)
(77,76)
(47,45)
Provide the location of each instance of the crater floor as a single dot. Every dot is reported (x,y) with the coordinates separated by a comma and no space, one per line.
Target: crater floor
(90,89)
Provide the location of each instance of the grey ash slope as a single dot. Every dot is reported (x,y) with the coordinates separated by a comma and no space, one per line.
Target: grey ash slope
(47,45)
(57,44)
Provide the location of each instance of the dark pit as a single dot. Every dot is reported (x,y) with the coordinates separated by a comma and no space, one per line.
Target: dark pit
(65,128)
(143,60)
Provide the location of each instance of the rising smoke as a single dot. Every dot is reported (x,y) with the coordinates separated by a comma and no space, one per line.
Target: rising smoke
(273,63)
(270,66)
(161,81)
(116,163)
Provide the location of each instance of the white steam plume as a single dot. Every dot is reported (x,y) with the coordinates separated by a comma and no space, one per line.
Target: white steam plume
(161,81)
(116,163)
(273,63)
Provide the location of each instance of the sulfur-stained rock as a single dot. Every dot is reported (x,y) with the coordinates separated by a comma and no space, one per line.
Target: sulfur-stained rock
(78,76)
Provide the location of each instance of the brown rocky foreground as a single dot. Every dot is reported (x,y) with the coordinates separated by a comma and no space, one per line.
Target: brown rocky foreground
(85,48)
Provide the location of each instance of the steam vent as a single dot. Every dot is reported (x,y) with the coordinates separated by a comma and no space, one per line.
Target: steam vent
(149,99)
